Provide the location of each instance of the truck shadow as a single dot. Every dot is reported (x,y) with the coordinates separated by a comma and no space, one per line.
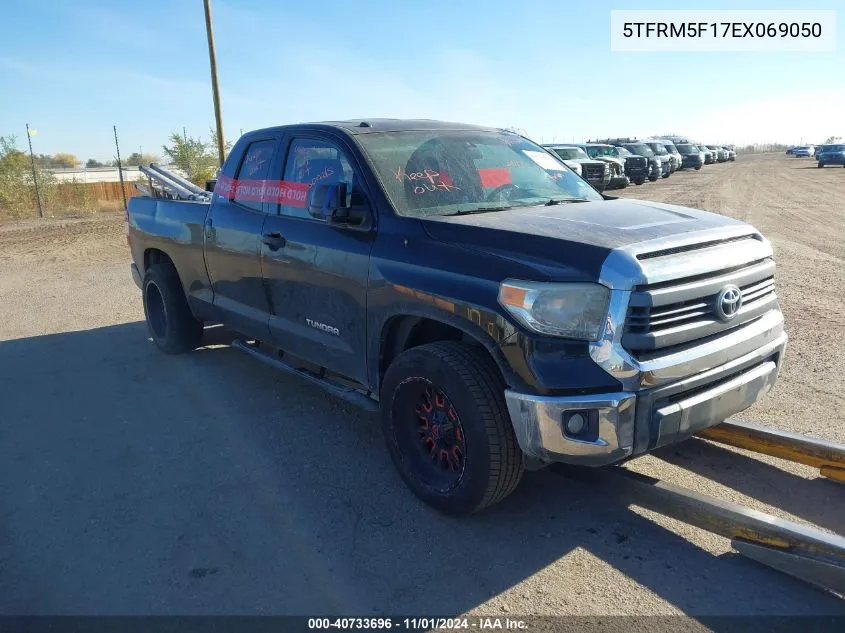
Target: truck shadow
(817,500)
(136,482)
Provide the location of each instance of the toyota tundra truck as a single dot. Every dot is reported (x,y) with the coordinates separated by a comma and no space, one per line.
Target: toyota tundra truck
(497,311)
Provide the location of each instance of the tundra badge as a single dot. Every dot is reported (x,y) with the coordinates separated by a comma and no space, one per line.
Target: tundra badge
(328,329)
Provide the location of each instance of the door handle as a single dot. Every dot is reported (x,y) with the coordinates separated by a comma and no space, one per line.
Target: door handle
(274,240)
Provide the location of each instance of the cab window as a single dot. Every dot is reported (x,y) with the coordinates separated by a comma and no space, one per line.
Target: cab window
(311,162)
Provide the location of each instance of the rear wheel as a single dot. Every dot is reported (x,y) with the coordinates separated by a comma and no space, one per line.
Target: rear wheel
(640,181)
(820,165)
(447,427)
(171,325)
(697,167)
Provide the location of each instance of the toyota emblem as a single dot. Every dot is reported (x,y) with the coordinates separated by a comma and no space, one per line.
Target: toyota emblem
(728,302)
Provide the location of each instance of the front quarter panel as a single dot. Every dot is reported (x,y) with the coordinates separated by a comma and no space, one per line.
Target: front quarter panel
(412,275)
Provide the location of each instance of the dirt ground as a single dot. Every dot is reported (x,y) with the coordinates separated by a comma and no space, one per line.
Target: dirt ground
(134,482)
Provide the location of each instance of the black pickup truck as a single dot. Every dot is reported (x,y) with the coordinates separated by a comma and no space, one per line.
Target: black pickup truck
(498,311)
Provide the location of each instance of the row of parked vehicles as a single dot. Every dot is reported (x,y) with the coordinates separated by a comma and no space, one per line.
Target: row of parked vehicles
(615,163)
(829,154)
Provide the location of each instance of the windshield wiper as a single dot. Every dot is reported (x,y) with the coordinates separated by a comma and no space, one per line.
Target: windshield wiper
(554,201)
(479,210)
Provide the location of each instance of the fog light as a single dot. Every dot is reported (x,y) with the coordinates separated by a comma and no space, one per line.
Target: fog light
(581,425)
(576,424)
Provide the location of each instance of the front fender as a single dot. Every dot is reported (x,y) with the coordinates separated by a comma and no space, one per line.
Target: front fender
(484,325)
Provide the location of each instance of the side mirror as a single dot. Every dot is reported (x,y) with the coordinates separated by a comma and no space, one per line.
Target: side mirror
(324,200)
(356,215)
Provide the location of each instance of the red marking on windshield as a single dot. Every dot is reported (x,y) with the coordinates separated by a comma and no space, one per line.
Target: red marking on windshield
(494,177)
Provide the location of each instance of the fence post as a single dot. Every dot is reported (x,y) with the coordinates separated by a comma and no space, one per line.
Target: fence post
(119,169)
(34,171)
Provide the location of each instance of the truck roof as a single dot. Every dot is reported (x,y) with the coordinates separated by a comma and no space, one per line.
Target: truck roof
(369,126)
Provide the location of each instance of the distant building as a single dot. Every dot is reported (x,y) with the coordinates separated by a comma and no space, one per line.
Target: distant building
(100,174)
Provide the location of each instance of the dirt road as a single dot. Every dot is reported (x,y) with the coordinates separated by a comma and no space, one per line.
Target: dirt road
(134,482)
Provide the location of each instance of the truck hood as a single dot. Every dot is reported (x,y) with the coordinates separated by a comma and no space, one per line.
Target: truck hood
(575,235)
(582,161)
(611,159)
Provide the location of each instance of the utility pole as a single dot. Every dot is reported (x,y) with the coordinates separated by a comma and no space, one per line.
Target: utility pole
(34,171)
(120,168)
(212,60)
(187,153)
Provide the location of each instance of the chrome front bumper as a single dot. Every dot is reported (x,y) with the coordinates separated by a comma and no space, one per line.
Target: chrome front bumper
(633,422)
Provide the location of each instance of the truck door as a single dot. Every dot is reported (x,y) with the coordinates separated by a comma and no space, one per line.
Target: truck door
(316,274)
(232,242)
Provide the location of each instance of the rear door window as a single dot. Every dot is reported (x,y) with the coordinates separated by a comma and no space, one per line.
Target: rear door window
(251,179)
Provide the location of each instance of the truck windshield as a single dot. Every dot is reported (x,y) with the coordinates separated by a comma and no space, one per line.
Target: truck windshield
(570,153)
(600,150)
(451,172)
(687,149)
(658,149)
(670,148)
(640,148)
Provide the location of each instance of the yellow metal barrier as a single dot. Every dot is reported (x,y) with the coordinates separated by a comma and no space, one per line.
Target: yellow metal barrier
(828,457)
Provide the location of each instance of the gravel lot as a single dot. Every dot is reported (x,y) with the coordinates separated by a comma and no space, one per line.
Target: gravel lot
(132,482)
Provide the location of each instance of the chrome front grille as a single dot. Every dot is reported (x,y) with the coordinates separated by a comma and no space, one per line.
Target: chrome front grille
(674,314)
(593,172)
(636,163)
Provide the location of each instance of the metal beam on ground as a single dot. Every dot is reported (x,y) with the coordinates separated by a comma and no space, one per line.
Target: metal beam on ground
(804,552)
(827,456)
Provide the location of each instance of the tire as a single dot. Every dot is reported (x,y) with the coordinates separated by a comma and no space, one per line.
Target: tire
(820,165)
(697,167)
(172,327)
(474,410)
(652,178)
(639,182)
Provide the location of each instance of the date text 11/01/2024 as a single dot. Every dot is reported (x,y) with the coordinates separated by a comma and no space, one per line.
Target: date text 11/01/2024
(722,29)
(418,624)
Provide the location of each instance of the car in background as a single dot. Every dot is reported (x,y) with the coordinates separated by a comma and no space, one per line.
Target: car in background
(804,151)
(731,152)
(673,152)
(831,155)
(691,156)
(595,172)
(709,154)
(619,178)
(720,154)
(636,166)
(659,150)
(655,165)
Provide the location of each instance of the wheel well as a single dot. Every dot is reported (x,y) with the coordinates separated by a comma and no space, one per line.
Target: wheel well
(154,256)
(404,332)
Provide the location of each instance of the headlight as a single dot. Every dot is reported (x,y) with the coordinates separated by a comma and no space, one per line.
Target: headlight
(569,310)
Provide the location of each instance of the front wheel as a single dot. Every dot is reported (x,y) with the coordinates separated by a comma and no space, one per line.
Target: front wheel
(652,178)
(447,427)
(639,182)
(697,167)
(171,325)
(820,165)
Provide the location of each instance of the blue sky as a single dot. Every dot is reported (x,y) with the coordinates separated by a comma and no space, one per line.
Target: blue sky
(72,69)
